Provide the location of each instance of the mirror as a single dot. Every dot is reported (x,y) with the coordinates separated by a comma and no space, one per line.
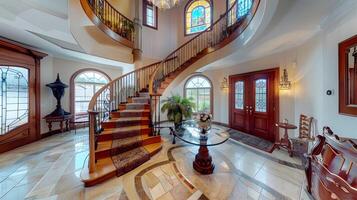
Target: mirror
(348,76)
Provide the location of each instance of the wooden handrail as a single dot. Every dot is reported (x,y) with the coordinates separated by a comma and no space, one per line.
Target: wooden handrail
(222,20)
(110,21)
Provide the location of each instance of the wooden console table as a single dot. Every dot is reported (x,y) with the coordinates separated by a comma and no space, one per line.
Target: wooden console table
(60,119)
(285,142)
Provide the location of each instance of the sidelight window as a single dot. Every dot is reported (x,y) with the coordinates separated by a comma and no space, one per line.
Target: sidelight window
(239,95)
(14,97)
(261,95)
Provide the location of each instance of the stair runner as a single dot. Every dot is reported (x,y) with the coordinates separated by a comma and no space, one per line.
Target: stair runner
(127,127)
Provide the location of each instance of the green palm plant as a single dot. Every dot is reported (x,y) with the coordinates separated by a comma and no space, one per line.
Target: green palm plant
(177,108)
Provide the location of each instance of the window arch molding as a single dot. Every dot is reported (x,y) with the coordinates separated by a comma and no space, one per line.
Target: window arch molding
(208,22)
(210,89)
(72,84)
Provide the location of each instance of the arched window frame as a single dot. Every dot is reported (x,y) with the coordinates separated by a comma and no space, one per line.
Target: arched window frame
(211,88)
(72,94)
(189,3)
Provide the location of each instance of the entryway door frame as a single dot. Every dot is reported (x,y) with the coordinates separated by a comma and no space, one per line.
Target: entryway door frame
(247,114)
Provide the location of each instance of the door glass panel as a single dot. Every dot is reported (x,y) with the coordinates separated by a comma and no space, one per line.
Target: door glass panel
(239,95)
(261,95)
(14,98)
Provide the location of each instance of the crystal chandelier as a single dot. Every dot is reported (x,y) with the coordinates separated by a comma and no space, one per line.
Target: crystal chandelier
(165,4)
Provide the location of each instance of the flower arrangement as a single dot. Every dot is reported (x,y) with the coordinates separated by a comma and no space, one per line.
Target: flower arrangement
(204,121)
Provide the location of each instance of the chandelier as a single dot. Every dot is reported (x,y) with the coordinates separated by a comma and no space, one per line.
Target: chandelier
(165,4)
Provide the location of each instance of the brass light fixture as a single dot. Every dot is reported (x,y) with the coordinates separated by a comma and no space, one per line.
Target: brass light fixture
(165,4)
(285,84)
(224,83)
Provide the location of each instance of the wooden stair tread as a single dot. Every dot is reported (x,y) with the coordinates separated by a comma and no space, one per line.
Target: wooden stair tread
(152,148)
(131,110)
(121,119)
(107,145)
(124,129)
(104,169)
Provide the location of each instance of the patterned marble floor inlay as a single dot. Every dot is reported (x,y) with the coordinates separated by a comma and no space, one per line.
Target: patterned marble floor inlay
(50,169)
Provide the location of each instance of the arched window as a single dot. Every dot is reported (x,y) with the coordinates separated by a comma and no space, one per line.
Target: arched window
(198,16)
(239,10)
(85,83)
(199,88)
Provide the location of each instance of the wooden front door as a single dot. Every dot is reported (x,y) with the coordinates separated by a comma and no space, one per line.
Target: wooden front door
(254,103)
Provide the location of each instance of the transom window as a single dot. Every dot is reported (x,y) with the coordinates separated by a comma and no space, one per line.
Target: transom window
(239,10)
(199,88)
(198,16)
(14,97)
(150,18)
(86,85)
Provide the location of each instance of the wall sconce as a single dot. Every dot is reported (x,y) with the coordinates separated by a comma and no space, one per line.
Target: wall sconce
(285,84)
(224,83)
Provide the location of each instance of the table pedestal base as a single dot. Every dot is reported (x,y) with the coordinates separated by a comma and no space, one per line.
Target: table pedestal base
(203,161)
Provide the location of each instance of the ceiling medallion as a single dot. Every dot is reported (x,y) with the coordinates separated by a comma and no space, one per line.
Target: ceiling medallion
(165,4)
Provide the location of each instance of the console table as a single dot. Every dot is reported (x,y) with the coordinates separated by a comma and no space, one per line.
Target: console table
(61,119)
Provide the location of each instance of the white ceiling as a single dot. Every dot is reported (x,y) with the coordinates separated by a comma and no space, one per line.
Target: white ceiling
(44,26)
(293,23)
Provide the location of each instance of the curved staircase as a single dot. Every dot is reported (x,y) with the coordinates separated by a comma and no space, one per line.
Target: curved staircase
(124,113)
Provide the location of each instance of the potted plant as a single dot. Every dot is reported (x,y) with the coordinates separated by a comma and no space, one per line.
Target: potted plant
(177,108)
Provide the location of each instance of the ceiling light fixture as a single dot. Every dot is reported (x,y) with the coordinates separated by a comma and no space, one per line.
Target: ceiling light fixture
(165,4)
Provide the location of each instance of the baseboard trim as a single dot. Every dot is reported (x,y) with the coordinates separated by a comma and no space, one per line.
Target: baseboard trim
(50,133)
(221,124)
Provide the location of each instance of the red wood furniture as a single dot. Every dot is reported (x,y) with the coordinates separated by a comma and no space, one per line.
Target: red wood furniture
(331,168)
(60,119)
(285,142)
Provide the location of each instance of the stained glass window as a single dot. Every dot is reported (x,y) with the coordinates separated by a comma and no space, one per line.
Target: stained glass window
(198,16)
(86,85)
(199,89)
(239,95)
(239,10)
(14,97)
(261,95)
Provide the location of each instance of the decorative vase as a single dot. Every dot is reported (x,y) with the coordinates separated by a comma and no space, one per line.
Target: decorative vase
(57,88)
(204,123)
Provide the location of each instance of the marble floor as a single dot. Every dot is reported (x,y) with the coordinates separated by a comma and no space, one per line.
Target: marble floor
(50,169)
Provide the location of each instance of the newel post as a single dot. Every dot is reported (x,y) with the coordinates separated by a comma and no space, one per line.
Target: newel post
(92,130)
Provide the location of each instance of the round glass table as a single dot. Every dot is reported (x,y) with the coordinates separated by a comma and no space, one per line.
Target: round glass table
(190,133)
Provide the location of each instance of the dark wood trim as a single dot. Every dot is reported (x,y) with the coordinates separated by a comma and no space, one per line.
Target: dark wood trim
(16,54)
(276,104)
(211,90)
(344,107)
(184,16)
(71,85)
(145,4)
(96,21)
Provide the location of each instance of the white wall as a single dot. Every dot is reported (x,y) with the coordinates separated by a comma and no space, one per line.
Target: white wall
(50,66)
(313,69)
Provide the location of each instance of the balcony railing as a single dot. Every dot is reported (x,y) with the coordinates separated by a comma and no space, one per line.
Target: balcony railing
(102,13)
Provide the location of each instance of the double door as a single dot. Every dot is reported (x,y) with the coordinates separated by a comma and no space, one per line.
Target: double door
(254,103)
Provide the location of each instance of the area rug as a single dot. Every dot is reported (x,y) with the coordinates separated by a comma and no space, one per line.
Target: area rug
(251,140)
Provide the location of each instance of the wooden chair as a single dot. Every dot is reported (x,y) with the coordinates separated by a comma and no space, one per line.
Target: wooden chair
(331,167)
(300,144)
(305,127)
